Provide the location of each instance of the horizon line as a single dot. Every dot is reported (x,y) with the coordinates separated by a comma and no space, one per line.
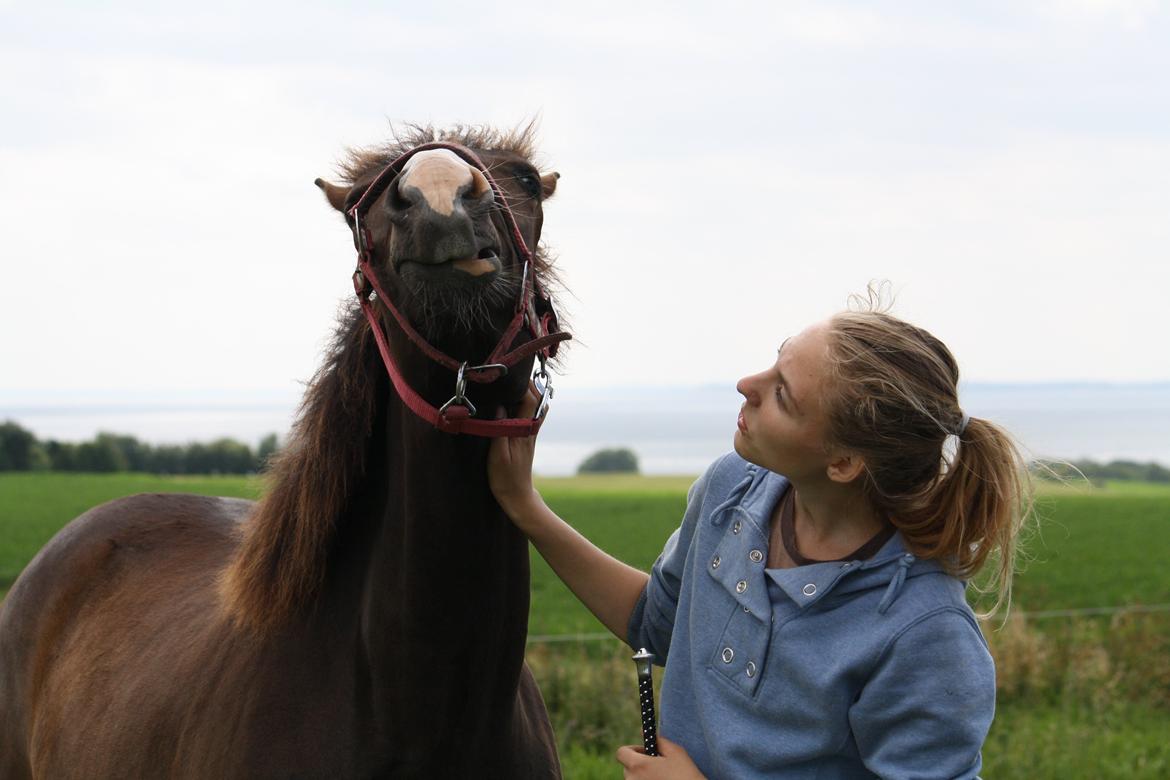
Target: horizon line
(234,393)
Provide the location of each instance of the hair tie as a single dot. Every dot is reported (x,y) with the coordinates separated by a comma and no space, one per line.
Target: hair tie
(963,425)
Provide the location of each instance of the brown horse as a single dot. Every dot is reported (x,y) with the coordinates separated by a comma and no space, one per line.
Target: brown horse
(368,616)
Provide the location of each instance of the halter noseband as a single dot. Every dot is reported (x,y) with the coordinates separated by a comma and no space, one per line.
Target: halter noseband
(534,311)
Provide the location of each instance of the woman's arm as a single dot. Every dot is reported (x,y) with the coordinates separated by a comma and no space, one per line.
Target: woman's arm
(608,587)
(928,705)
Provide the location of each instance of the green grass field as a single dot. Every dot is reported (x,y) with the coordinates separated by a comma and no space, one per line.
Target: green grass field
(1078,698)
(1090,547)
(34,506)
(1096,547)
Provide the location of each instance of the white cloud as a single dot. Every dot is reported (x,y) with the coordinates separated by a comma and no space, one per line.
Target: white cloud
(727,179)
(1130,14)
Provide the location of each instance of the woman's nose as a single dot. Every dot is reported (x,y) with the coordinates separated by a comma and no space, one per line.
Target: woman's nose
(744,388)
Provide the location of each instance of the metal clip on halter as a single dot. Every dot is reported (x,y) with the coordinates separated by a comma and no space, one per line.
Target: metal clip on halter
(544,386)
(459,399)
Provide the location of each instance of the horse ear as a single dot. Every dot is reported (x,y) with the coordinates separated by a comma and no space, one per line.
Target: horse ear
(548,184)
(333,193)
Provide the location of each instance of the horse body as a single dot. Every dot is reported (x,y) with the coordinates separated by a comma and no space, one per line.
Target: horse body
(367,618)
(111,633)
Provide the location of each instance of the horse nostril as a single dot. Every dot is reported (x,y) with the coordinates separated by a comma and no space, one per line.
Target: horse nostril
(478,188)
(396,199)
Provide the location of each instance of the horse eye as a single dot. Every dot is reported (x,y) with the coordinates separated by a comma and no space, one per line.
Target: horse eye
(530,183)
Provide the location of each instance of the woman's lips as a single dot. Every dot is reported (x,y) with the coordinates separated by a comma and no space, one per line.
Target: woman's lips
(742,425)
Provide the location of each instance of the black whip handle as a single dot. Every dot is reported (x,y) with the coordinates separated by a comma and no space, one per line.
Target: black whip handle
(649,729)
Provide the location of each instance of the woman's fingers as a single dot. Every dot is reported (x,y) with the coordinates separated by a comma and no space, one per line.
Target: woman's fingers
(529,403)
(630,756)
(672,762)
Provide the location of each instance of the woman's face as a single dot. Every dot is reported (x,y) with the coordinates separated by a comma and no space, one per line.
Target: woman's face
(782,423)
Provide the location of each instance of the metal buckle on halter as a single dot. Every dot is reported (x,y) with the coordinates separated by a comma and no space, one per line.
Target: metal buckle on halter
(460,399)
(360,234)
(543,383)
(357,231)
(361,285)
(489,367)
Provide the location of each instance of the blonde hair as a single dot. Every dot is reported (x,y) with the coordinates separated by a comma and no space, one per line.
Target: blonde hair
(892,398)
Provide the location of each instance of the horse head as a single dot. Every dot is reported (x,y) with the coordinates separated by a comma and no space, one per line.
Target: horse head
(446,225)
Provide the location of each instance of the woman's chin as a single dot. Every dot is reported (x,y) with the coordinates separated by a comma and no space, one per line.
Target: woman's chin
(744,450)
(740,445)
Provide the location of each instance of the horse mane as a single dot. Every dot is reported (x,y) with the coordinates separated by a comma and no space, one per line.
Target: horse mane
(281,561)
(362,160)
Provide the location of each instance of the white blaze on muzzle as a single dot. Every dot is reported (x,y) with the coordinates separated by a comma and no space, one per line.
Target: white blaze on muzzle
(442,178)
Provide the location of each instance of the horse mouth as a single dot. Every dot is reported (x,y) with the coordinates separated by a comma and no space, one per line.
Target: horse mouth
(485,262)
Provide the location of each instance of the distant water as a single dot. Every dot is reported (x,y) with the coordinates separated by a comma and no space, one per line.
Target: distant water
(681,430)
(673,430)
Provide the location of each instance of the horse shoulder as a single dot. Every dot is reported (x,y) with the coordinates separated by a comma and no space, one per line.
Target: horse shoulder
(124,592)
(99,550)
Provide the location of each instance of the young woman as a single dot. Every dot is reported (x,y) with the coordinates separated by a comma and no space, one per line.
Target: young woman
(810,608)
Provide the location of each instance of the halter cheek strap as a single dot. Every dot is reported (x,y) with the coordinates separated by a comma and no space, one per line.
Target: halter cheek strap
(534,311)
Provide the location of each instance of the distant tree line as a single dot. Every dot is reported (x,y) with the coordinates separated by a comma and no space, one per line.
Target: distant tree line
(617,460)
(1122,470)
(20,450)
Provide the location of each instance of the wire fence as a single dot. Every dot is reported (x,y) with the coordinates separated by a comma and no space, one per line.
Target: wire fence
(1087,611)
(1044,614)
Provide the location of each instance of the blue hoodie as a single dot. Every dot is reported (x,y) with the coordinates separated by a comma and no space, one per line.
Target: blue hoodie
(831,670)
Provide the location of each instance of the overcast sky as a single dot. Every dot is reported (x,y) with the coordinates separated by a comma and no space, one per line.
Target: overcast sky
(731,173)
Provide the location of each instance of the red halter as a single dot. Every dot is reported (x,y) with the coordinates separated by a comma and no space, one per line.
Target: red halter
(534,310)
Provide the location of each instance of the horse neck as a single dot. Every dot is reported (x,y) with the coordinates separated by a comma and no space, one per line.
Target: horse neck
(445,591)
(443,547)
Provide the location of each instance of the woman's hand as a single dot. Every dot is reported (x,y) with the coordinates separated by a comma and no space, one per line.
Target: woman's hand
(671,763)
(510,467)
(608,587)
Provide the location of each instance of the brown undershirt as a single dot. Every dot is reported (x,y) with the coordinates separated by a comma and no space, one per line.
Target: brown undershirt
(783,552)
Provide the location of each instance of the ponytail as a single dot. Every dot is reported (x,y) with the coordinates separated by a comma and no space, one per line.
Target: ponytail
(976,510)
(893,399)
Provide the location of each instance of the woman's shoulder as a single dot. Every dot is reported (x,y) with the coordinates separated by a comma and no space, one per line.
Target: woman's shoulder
(933,597)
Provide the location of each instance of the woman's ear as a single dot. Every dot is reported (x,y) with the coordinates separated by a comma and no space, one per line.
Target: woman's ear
(845,467)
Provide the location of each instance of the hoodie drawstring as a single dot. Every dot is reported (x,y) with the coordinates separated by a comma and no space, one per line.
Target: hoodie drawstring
(733,498)
(896,583)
